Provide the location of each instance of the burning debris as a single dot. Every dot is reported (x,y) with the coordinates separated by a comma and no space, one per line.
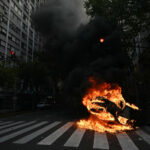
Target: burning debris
(107,109)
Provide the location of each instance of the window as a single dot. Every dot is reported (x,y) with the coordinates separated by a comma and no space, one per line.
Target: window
(13,5)
(15,18)
(26,9)
(3,31)
(24,36)
(14,39)
(2,43)
(20,2)
(10,37)
(4,20)
(14,28)
(4,9)
(19,12)
(9,47)
(23,45)
(25,18)
(25,27)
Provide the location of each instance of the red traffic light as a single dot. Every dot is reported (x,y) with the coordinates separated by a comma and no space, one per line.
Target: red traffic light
(12,53)
(101,40)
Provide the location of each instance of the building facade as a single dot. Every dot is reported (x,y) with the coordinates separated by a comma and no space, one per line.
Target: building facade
(17,33)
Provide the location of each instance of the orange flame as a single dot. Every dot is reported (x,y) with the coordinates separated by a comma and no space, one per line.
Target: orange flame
(105,103)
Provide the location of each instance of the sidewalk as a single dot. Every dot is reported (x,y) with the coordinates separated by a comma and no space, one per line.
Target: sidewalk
(9,112)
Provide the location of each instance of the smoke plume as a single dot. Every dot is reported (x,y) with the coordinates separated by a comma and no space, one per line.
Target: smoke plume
(60,16)
(73,47)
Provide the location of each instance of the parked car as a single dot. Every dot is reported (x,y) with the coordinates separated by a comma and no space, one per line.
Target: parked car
(46,103)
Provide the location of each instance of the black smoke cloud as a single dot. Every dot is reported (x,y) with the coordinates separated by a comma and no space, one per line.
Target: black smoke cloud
(73,47)
(60,16)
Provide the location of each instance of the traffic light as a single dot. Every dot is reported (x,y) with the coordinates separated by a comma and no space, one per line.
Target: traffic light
(101,40)
(12,53)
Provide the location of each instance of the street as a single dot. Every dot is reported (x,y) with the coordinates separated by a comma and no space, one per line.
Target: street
(50,131)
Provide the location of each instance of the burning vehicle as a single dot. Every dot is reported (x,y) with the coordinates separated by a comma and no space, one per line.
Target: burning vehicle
(107,107)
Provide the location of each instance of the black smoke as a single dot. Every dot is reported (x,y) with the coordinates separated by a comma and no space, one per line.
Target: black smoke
(74,50)
(60,16)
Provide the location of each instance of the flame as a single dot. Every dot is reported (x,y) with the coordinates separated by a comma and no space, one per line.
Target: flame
(132,106)
(105,103)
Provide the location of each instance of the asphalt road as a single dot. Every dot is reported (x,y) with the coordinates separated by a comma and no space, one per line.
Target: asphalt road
(45,130)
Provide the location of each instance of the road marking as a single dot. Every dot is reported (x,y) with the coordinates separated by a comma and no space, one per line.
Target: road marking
(55,135)
(100,141)
(5,122)
(144,135)
(75,139)
(125,142)
(12,135)
(9,125)
(16,127)
(36,133)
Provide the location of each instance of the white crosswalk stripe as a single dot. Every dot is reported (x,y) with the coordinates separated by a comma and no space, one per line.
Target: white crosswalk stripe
(75,139)
(16,127)
(9,125)
(55,135)
(100,141)
(36,133)
(125,142)
(12,135)
(144,135)
(3,123)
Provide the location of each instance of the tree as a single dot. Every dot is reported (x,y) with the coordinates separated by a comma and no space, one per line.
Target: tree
(131,15)
(8,76)
(34,76)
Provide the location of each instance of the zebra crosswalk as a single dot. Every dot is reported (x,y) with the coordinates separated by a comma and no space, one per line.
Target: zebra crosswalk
(22,132)
(100,141)
(125,142)
(75,138)
(16,127)
(144,135)
(55,135)
(4,123)
(9,125)
(12,135)
(36,133)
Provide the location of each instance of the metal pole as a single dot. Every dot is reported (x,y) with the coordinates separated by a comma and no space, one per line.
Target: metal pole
(21,29)
(27,48)
(28,32)
(33,45)
(7,34)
